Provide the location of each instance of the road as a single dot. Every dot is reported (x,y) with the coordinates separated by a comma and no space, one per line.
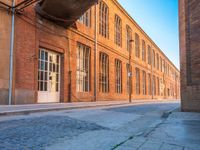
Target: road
(141,126)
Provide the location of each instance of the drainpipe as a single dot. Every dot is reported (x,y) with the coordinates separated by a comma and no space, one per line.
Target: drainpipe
(69,72)
(11,53)
(95,56)
(152,81)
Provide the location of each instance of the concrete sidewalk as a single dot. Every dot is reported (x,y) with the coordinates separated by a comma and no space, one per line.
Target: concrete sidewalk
(34,108)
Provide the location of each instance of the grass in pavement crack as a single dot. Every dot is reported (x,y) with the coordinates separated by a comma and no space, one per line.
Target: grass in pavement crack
(116,146)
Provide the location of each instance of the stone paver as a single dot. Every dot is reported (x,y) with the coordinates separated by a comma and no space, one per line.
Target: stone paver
(37,133)
(166,146)
(133,127)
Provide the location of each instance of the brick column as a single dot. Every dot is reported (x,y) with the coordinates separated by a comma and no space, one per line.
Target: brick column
(189,20)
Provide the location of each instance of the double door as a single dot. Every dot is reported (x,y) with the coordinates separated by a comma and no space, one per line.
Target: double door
(48,77)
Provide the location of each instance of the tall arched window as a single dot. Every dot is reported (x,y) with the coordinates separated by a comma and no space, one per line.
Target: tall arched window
(103,73)
(128,81)
(137,73)
(83,68)
(137,45)
(118,30)
(149,55)
(118,76)
(144,91)
(103,19)
(157,61)
(161,64)
(158,82)
(86,18)
(153,58)
(154,85)
(149,84)
(143,50)
(128,37)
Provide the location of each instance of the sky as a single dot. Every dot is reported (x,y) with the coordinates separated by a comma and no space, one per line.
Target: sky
(159,19)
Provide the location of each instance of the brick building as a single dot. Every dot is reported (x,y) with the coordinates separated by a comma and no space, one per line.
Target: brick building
(54,64)
(5,29)
(189,19)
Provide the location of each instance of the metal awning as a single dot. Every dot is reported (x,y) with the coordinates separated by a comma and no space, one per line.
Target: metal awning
(63,12)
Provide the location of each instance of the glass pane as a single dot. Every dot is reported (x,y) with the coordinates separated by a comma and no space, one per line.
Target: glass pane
(57,78)
(57,59)
(42,76)
(42,55)
(46,56)
(45,76)
(54,68)
(41,86)
(42,65)
(50,67)
(46,66)
(57,87)
(57,69)
(50,59)
(45,86)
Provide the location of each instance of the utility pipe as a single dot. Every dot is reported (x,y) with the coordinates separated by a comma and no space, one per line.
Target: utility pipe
(95,56)
(130,71)
(11,53)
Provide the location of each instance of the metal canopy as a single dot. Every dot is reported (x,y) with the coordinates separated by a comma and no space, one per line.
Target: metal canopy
(63,12)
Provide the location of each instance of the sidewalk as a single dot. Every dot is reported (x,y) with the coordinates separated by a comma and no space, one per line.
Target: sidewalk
(180,131)
(34,108)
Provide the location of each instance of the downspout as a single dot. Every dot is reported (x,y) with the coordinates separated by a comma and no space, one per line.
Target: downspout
(95,56)
(11,53)
(69,72)
(152,81)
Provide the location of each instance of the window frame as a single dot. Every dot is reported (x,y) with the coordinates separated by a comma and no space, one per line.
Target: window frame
(118,30)
(118,76)
(128,38)
(137,83)
(85,19)
(103,72)
(144,50)
(103,19)
(137,45)
(83,68)
(149,55)
(144,83)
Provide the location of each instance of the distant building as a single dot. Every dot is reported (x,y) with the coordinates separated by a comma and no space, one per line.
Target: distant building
(54,64)
(189,19)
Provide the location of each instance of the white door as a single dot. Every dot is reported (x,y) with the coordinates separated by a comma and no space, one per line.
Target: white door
(48,77)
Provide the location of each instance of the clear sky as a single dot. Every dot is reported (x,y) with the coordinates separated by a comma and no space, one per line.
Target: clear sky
(159,19)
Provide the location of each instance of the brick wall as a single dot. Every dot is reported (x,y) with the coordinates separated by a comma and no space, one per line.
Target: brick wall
(5,29)
(85,35)
(189,19)
(33,32)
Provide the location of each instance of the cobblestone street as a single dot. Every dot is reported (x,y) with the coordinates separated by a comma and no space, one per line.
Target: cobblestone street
(141,126)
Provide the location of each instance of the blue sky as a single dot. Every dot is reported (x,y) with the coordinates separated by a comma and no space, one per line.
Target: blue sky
(159,19)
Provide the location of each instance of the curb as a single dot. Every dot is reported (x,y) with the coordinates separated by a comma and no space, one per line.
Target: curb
(29,111)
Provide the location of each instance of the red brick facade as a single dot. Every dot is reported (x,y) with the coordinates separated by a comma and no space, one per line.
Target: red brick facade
(34,32)
(5,29)
(189,18)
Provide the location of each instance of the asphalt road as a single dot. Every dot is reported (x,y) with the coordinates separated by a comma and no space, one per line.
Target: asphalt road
(106,128)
